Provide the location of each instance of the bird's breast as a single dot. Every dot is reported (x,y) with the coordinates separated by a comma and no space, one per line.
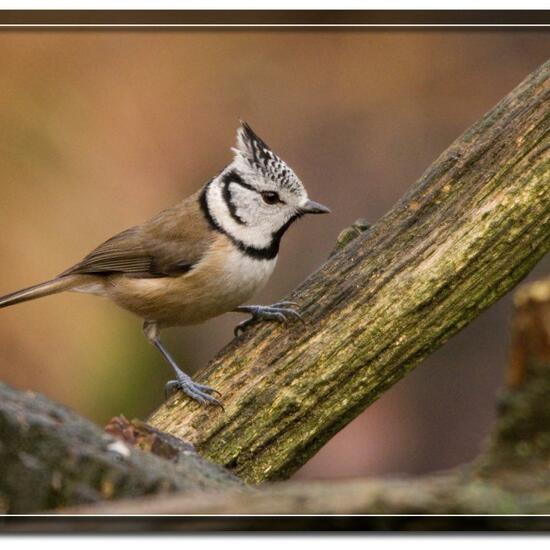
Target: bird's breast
(223,279)
(240,275)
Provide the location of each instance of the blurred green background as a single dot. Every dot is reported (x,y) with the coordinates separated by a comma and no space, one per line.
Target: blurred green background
(100,130)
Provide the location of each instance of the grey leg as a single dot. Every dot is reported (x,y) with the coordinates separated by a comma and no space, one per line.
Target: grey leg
(280,312)
(183,382)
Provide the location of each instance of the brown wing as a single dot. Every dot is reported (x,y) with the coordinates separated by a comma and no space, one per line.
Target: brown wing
(123,253)
(168,245)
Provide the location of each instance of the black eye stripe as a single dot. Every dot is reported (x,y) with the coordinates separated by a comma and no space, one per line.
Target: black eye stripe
(228,199)
(234,177)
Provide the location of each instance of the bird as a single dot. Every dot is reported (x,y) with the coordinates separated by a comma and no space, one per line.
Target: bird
(204,256)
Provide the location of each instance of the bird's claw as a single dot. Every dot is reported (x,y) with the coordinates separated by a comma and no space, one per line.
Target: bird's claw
(280,312)
(198,392)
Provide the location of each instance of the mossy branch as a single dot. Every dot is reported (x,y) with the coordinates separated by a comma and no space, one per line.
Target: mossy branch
(469,230)
(510,477)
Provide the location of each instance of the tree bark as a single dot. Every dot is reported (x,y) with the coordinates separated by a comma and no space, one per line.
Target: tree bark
(456,493)
(519,452)
(468,231)
(51,457)
(511,477)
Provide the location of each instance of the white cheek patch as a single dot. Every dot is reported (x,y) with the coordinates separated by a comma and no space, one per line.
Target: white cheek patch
(247,204)
(251,234)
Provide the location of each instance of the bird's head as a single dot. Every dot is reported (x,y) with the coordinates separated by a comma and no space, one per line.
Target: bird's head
(256,198)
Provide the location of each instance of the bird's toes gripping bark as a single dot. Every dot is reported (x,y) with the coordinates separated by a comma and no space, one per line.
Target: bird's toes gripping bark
(280,312)
(198,392)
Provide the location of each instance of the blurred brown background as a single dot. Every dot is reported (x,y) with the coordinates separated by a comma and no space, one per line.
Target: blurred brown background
(100,130)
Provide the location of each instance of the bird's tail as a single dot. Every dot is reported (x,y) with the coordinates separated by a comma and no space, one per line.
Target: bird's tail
(59,284)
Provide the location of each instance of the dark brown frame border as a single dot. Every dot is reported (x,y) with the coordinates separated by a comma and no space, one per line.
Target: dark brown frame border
(301,20)
(275,17)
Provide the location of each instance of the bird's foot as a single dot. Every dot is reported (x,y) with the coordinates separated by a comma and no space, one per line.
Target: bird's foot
(194,390)
(281,312)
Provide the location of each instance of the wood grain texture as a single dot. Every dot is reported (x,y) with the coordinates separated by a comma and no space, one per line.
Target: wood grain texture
(467,232)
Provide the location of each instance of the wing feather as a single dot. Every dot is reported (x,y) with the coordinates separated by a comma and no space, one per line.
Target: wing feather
(168,245)
(125,253)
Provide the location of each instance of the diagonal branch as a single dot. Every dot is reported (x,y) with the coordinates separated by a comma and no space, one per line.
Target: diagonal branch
(52,457)
(510,476)
(468,231)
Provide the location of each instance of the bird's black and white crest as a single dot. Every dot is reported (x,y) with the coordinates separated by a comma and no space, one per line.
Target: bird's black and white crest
(258,155)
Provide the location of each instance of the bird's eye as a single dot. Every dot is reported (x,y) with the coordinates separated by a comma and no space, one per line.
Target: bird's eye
(270,197)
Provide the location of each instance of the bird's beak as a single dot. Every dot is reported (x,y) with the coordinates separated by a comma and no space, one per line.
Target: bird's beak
(312,207)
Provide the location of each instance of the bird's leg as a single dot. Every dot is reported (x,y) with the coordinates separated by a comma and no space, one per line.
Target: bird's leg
(183,382)
(281,312)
